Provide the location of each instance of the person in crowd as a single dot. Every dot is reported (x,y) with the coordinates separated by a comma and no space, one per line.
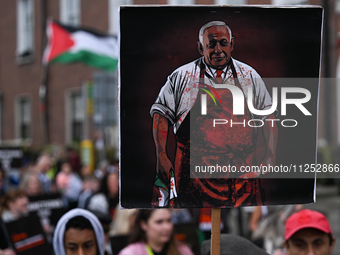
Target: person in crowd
(85,170)
(106,201)
(124,221)
(153,234)
(233,244)
(14,204)
(105,220)
(112,184)
(91,186)
(107,198)
(2,181)
(102,169)
(307,232)
(73,158)
(6,250)
(4,246)
(122,228)
(69,184)
(43,165)
(78,232)
(266,224)
(31,184)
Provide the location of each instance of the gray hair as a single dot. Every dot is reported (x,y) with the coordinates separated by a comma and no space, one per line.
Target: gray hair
(212,24)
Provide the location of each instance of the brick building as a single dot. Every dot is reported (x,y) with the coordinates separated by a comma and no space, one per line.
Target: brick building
(22,33)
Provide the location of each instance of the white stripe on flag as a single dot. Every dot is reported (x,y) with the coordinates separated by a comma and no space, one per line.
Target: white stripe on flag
(106,46)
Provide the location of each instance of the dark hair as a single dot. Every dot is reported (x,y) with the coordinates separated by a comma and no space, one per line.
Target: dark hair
(10,196)
(330,239)
(90,177)
(103,185)
(138,234)
(329,236)
(2,173)
(78,222)
(2,179)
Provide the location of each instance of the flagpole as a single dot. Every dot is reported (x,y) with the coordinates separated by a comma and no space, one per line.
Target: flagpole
(86,107)
(44,79)
(43,103)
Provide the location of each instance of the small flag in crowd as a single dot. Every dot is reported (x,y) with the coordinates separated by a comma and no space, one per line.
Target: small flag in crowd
(74,44)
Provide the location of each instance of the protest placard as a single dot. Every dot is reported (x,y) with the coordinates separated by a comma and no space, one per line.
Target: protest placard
(27,236)
(218,105)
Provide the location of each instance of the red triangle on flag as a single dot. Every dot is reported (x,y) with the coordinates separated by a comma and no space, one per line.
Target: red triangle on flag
(60,41)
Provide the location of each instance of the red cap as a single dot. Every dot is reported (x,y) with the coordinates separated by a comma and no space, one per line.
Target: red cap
(306,219)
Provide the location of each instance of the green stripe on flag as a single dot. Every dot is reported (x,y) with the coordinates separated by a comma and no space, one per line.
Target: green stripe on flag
(94,60)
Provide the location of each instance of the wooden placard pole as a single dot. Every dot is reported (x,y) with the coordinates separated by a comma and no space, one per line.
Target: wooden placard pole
(215,231)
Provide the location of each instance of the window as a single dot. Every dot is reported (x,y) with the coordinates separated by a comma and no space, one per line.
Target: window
(105,99)
(222,2)
(105,117)
(337,8)
(177,2)
(70,12)
(23,117)
(113,14)
(75,115)
(25,30)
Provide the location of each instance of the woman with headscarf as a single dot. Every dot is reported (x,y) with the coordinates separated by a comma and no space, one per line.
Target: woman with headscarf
(78,232)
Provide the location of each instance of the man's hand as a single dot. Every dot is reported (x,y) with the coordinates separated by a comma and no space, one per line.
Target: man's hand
(160,135)
(7,252)
(164,166)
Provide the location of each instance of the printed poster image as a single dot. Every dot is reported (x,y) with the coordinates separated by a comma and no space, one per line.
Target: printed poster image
(27,236)
(213,99)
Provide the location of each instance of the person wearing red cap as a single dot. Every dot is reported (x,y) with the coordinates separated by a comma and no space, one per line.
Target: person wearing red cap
(308,232)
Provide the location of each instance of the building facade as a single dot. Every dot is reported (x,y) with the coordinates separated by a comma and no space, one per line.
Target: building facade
(64,119)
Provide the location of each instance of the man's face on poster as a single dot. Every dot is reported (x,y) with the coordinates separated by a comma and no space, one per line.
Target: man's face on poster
(217,46)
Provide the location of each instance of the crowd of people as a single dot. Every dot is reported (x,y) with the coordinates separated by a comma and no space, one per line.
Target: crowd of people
(62,174)
(93,223)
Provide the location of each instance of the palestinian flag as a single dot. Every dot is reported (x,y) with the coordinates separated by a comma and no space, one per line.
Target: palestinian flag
(72,44)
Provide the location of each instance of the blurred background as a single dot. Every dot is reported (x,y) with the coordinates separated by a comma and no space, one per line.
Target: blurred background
(71,111)
(62,105)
